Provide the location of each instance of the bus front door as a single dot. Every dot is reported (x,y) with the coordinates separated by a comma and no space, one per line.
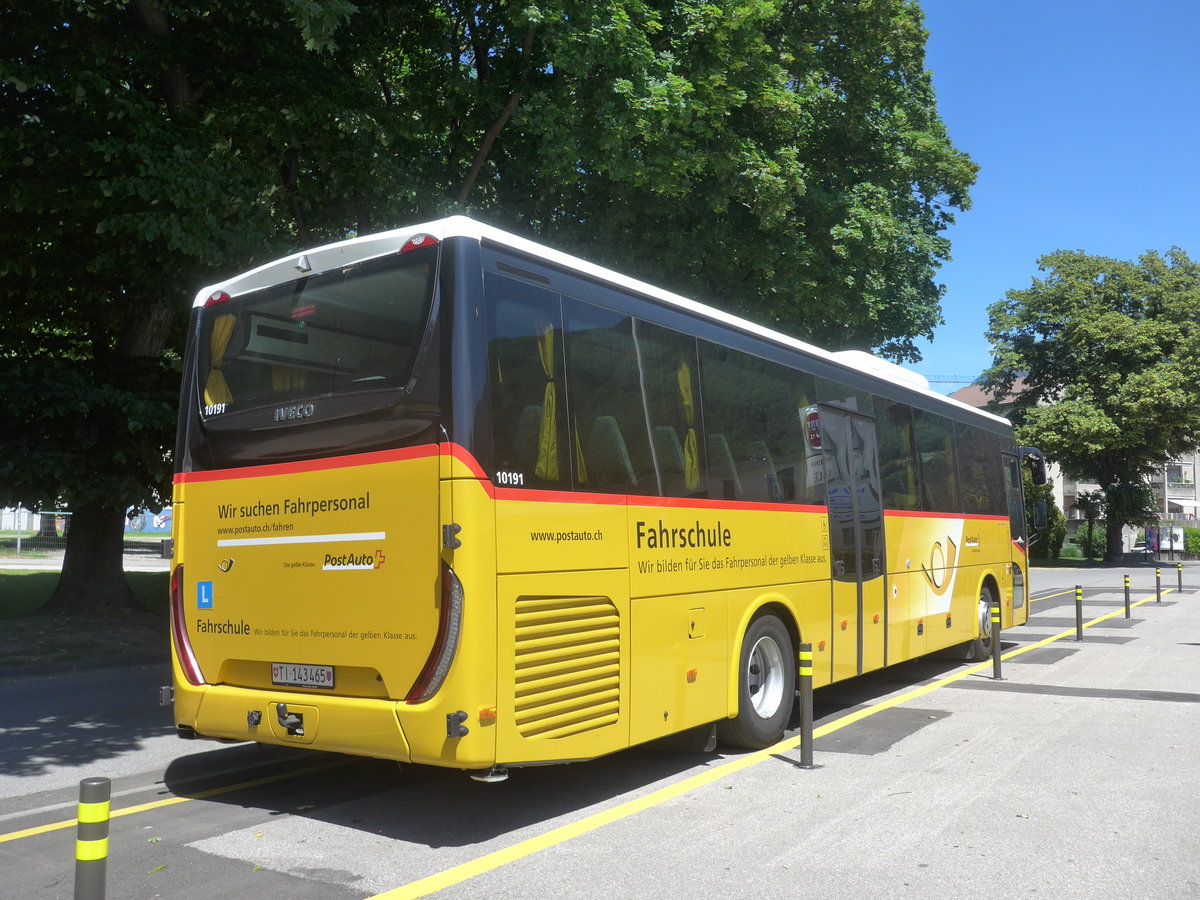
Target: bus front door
(1018,532)
(855,541)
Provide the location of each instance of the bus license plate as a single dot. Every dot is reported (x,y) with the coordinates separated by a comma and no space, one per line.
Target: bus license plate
(293,675)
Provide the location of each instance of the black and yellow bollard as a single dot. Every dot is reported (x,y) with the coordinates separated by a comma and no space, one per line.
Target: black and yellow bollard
(1179,572)
(996,642)
(1079,612)
(91,839)
(806,706)
(1158,584)
(1127,596)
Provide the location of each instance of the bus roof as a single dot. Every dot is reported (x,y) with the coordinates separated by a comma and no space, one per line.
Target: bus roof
(355,250)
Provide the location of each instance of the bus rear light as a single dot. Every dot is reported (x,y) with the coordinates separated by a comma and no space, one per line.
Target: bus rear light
(444,648)
(217,297)
(179,636)
(417,242)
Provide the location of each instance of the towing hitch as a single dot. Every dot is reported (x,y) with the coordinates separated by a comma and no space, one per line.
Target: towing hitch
(292,722)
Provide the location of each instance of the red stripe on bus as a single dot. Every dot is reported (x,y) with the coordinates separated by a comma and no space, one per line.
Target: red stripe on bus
(310,465)
(533,495)
(465,457)
(468,459)
(540,496)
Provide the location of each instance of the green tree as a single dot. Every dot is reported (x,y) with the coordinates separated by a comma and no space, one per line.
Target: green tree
(783,160)
(1050,538)
(113,202)
(1102,358)
(1191,541)
(1091,504)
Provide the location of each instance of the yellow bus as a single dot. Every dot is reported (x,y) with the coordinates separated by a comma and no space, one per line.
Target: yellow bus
(446,496)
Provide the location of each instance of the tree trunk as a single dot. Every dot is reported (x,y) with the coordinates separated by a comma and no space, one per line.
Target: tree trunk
(93,577)
(493,132)
(46,528)
(1114,550)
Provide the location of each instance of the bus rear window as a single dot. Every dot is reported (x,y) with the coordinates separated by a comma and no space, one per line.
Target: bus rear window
(352,331)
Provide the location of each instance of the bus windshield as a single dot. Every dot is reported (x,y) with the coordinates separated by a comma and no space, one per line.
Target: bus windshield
(312,348)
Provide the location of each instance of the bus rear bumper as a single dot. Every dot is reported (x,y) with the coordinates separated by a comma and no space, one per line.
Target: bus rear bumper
(363,727)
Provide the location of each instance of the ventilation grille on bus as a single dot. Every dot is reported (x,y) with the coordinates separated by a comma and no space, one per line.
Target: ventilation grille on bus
(568,665)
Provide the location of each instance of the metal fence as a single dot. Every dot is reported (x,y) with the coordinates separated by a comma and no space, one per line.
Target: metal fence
(42,536)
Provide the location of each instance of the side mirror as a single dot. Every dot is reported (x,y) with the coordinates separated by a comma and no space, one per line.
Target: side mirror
(1039,514)
(1037,463)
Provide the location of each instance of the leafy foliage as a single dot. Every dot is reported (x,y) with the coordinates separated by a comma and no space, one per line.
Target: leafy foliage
(1091,504)
(1050,539)
(782,160)
(1101,358)
(1191,541)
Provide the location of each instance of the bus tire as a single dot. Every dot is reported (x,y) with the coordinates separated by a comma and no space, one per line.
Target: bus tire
(981,647)
(766,686)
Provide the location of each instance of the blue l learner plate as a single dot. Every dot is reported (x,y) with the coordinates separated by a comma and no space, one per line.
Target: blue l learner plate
(306,676)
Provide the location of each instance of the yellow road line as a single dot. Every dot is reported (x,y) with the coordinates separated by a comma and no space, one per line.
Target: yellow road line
(1051,596)
(172,801)
(496,859)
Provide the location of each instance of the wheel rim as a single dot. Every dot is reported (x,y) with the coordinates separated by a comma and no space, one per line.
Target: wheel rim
(764,677)
(985,618)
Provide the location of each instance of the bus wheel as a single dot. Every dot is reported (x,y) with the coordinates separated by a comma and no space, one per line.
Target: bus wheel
(981,647)
(766,686)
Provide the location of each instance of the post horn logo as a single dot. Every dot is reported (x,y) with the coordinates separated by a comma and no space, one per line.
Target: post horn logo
(225,565)
(941,562)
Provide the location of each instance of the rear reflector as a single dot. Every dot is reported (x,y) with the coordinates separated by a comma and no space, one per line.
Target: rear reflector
(179,636)
(446,645)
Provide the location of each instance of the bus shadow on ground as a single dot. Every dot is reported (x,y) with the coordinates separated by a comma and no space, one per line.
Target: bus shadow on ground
(437,807)
(426,805)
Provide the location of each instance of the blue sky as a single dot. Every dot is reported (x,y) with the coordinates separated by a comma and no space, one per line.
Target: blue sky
(1084,118)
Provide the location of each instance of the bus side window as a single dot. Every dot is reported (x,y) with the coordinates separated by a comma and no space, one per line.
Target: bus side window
(607,454)
(610,439)
(671,396)
(898,456)
(979,468)
(755,443)
(939,467)
(722,470)
(529,435)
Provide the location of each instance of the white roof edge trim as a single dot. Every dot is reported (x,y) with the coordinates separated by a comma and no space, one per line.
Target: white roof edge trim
(339,253)
(360,249)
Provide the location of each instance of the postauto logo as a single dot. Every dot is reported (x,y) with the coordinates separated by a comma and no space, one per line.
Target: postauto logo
(345,562)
